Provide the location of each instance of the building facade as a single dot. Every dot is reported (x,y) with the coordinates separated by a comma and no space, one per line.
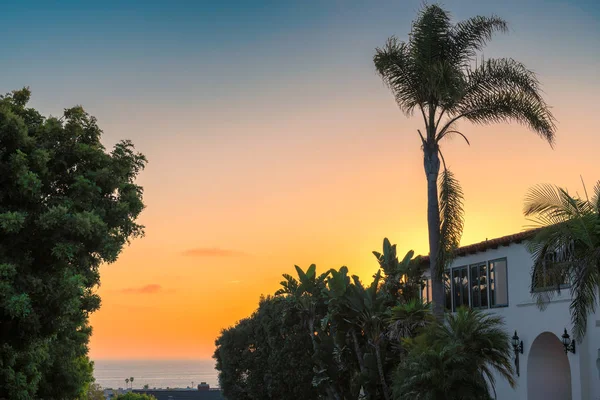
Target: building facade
(496,276)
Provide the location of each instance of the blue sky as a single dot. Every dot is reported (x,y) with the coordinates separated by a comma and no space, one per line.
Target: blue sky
(211,50)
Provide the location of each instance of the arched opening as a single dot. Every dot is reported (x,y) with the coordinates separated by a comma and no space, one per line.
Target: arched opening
(548,370)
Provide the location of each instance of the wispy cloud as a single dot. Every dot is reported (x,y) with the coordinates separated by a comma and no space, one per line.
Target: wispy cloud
(151,288)
(212,252)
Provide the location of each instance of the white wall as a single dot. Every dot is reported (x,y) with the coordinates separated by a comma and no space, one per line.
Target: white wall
(523,315)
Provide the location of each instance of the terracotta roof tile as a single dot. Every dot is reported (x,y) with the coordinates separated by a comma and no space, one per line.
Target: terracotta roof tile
(491,244)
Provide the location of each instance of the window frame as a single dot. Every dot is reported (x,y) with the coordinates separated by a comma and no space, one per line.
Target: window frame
(505,259)
(487,263)
(552,288)
(466,268)
(487,286)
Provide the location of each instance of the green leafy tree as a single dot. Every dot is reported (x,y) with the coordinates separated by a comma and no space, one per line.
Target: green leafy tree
(566,249)
(436,73)
(66,206)
(456,360)
(266,356)
(94,392)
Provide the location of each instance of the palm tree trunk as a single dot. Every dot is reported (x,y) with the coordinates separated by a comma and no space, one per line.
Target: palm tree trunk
(432,170)
(361,360)
(359,355)
(332,392)
(386,392)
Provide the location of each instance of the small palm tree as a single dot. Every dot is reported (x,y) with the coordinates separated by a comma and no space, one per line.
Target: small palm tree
(131,381)
(437,74)
(126,383)
(567,248)
(408,319)
(456,360)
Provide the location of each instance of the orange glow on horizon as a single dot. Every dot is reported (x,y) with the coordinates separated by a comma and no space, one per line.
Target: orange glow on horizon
(315,165)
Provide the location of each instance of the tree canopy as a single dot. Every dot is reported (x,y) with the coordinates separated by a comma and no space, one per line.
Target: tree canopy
(325,335)
(329,336)
(66,206)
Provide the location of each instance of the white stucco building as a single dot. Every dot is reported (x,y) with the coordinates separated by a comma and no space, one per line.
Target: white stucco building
(495,275)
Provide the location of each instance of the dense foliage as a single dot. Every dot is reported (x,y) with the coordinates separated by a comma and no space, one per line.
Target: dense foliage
(325,336)
(456,360)
(66,206)
(566,249)
(266,356)
(329,336)
(437,73)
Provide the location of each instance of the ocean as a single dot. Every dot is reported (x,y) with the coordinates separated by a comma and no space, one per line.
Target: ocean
(155,373)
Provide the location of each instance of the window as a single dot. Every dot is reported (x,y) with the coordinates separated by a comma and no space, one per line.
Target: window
(426,291)
(498,283)
(551,276)
(482,285)
(479,286)
(460,287)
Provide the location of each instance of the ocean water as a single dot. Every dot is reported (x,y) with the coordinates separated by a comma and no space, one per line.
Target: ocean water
(155,373)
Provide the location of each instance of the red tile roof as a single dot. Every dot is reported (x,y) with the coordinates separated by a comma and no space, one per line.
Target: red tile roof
(490,244)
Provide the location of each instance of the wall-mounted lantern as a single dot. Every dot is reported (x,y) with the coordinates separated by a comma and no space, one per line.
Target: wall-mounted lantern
(568,343)
(518,348)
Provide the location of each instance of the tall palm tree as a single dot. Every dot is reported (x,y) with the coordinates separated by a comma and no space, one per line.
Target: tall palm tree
(456,359)
(436,73)
(131,381)
(567,248)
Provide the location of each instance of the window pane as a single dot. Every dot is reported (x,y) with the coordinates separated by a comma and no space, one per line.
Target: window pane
(429,290)
(465,286)
(551,275)
(483,290)
(456,292)
(498,283)
(475,295)
(460,287)
(426,291)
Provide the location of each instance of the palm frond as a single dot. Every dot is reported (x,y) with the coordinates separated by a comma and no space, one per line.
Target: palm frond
(451,217)
(565,250)
(543,199)
(473,34)
(505,105)
(584,289)
(497,76)
(429,37)
(393,63)
(596,197)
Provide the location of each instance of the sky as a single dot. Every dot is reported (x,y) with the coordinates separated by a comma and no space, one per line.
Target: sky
(272,142)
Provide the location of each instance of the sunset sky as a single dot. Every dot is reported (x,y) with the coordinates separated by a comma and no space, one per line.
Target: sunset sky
(272,142)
